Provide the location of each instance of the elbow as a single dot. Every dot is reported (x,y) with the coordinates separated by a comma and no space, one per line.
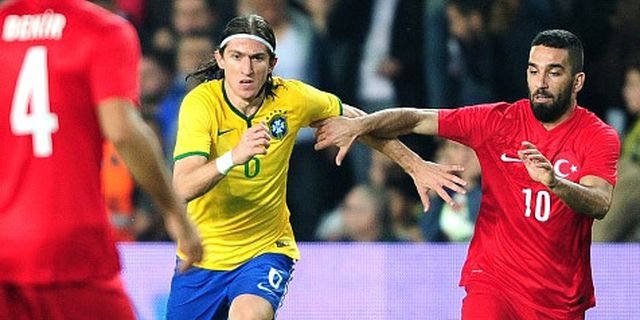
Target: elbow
(601,212)
(182,191)
(599,216)
(186,191)
(120,135)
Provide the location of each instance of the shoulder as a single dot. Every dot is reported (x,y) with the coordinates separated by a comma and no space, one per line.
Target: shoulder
(592,125)
(508,111)
(510,108)
(290,84)
(104,24)
(207,91)
(501,107)
(496,108)
(291,88)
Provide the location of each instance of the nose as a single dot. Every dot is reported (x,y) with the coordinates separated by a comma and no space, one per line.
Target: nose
(246,66)
(542,81)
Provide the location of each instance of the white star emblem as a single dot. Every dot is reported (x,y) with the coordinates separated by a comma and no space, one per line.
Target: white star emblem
(574,168)
(278,127)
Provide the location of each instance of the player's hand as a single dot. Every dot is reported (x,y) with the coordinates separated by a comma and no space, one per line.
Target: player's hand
(182,230)
(538,166)
(254,141)
(336,131)
(428,175)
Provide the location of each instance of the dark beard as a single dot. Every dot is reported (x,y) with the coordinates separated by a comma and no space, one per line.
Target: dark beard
(553,112)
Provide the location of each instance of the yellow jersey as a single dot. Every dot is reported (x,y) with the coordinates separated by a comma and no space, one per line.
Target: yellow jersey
(245,214)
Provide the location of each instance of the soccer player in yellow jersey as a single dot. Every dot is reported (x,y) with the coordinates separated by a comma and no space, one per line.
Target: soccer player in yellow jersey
(236,132)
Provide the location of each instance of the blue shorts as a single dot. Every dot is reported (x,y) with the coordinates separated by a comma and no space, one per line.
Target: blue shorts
(207,294)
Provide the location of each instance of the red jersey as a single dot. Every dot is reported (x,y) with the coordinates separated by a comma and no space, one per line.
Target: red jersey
(527,242)
(59,60)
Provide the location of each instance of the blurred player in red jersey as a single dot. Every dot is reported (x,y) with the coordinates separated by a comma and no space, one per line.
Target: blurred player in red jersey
(69,76)
(548,170)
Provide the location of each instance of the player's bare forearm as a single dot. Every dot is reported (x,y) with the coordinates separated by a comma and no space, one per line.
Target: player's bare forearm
(391,123)
(140,149)
(395,150)
(426,175)
(343,131)
(392,148)
(592,196)
(142,155)
(194,176)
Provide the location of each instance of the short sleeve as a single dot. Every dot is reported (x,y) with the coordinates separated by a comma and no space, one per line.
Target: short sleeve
(601,157)
(318,104)
(114,71)
(469,125)
(195,125)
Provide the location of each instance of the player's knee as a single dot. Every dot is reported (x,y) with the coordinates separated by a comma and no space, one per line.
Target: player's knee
(250,314)
(250,307)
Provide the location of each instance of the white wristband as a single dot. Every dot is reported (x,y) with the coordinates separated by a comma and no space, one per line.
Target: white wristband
(224,163)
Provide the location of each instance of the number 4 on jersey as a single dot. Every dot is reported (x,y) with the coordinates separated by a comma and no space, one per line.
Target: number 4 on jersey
(32,89)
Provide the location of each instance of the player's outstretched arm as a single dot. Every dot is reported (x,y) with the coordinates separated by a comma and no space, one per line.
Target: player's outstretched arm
(140,150)
(426,175)
(388,123)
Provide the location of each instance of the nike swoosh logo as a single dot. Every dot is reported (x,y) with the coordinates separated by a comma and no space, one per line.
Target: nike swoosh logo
(221,132)
(262,287)
(281,244)
(506,158)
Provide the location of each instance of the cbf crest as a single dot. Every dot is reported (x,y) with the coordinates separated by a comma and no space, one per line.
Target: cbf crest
(278,126)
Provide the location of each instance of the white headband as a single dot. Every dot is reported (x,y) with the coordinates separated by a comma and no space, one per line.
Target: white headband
(246,36)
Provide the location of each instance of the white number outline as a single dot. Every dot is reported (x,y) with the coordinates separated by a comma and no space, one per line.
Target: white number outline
(32,89)
(542,207)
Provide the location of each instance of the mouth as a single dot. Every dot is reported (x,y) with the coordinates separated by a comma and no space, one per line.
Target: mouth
(542,97)
(247,84)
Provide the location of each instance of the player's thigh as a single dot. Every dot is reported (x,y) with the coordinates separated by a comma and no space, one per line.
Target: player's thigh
(198,294)
(485,303)
(260,286)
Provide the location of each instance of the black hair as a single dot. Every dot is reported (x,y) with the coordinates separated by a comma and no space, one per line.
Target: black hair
(563,39)
(251,24)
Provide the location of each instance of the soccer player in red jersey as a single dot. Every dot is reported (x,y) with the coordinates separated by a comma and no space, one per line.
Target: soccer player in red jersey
(69,77)
(548,170)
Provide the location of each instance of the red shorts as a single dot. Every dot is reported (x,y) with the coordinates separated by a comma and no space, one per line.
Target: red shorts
(104,299)
(483,301)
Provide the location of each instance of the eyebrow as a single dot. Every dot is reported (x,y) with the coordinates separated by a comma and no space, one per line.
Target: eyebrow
(551,66)
(255,55)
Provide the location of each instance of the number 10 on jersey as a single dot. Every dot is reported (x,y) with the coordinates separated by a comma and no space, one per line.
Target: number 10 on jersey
(542,204)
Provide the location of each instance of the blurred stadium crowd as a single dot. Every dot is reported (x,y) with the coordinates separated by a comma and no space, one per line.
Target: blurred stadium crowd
(377,54)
